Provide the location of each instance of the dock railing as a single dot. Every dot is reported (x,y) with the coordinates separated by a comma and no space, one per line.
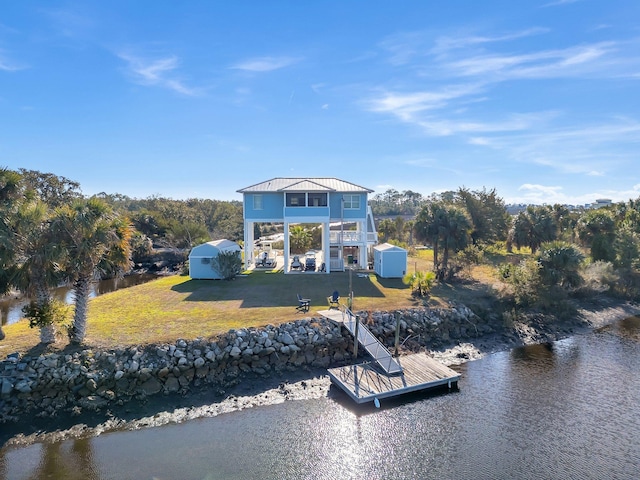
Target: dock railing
(370,343)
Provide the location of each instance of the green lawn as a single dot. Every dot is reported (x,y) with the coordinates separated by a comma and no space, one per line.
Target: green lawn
(178,307)
(175,307)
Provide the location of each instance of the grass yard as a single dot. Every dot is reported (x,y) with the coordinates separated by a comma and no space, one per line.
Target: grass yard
(177,307)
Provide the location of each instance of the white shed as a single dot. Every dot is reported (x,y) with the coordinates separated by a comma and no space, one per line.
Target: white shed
(389,261)
(201,265)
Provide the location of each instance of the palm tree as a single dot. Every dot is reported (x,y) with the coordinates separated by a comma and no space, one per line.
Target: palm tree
(421,283)
(427,227)
(300,239)
(455,235)
(9,193)
(597,230)
(386,228)
(447,227)
(560,263)
(27,244)
(532,227)
(96,241)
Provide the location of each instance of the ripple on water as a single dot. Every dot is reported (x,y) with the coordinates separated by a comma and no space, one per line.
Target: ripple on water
(570,409)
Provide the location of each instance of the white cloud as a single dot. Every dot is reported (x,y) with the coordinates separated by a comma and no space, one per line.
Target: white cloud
(317,87)
(542,189)
(406,105)
(580,148)
(543,194)
(447,43)
(421,162)
(265,64)
(325,106)
(158,72)
(537,194)
(559,3)
(403,47)
(7,65)
(543,64)
(480,141)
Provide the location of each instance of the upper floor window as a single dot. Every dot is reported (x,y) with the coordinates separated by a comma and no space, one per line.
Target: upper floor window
(257,202)
(317,199)
(351,201)
(296,200)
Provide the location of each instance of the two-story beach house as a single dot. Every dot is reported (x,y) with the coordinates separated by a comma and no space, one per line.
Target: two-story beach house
(339,208)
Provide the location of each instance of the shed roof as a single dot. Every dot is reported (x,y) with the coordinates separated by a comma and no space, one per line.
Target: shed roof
(223,244)
(317,184)
(387,247)
(219,245)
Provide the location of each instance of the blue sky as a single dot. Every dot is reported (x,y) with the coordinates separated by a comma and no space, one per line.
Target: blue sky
(537,99)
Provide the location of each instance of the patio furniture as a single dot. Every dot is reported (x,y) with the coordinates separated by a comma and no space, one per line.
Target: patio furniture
(303,304)
(269,262)
(334,300)
(310,261)
(261,260)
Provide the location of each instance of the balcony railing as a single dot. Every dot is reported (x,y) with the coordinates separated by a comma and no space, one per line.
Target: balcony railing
(336,265)
(352,237)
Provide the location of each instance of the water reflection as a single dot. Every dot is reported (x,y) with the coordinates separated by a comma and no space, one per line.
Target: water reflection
(11,308)
(566,410)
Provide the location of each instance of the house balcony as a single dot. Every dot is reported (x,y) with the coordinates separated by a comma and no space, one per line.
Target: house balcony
(352,237)
(320,214)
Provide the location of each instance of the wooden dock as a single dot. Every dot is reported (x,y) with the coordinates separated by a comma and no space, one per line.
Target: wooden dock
(386,376)
(366,382)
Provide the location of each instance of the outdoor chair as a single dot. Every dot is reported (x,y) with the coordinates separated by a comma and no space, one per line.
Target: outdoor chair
(303,304)
(310,264)
(269,262)
(334,300)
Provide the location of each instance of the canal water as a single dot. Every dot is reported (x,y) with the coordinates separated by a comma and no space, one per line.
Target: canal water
(11,307)
(566,410)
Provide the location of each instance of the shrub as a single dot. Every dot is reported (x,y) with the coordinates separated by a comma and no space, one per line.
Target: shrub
(421,283)
(227,264)
(51,313)
(600,276)
(524,281)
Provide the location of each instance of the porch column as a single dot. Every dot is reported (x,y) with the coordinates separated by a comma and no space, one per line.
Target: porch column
(286,247)
(362,251)
(326,242)
(248,244)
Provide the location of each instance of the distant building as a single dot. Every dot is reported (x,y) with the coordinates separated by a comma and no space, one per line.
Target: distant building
(201,258)
(601,202)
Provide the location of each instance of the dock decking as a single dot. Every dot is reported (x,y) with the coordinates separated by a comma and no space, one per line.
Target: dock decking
(365,382)
(386,376)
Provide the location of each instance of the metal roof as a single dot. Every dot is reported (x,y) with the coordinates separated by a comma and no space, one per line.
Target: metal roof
(387,247)
(220,245)
(313,184)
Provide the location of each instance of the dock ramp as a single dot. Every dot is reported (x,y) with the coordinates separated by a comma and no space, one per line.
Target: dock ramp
(371,344)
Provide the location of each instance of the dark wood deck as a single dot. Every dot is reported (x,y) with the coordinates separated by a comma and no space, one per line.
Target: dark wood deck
(367,381)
